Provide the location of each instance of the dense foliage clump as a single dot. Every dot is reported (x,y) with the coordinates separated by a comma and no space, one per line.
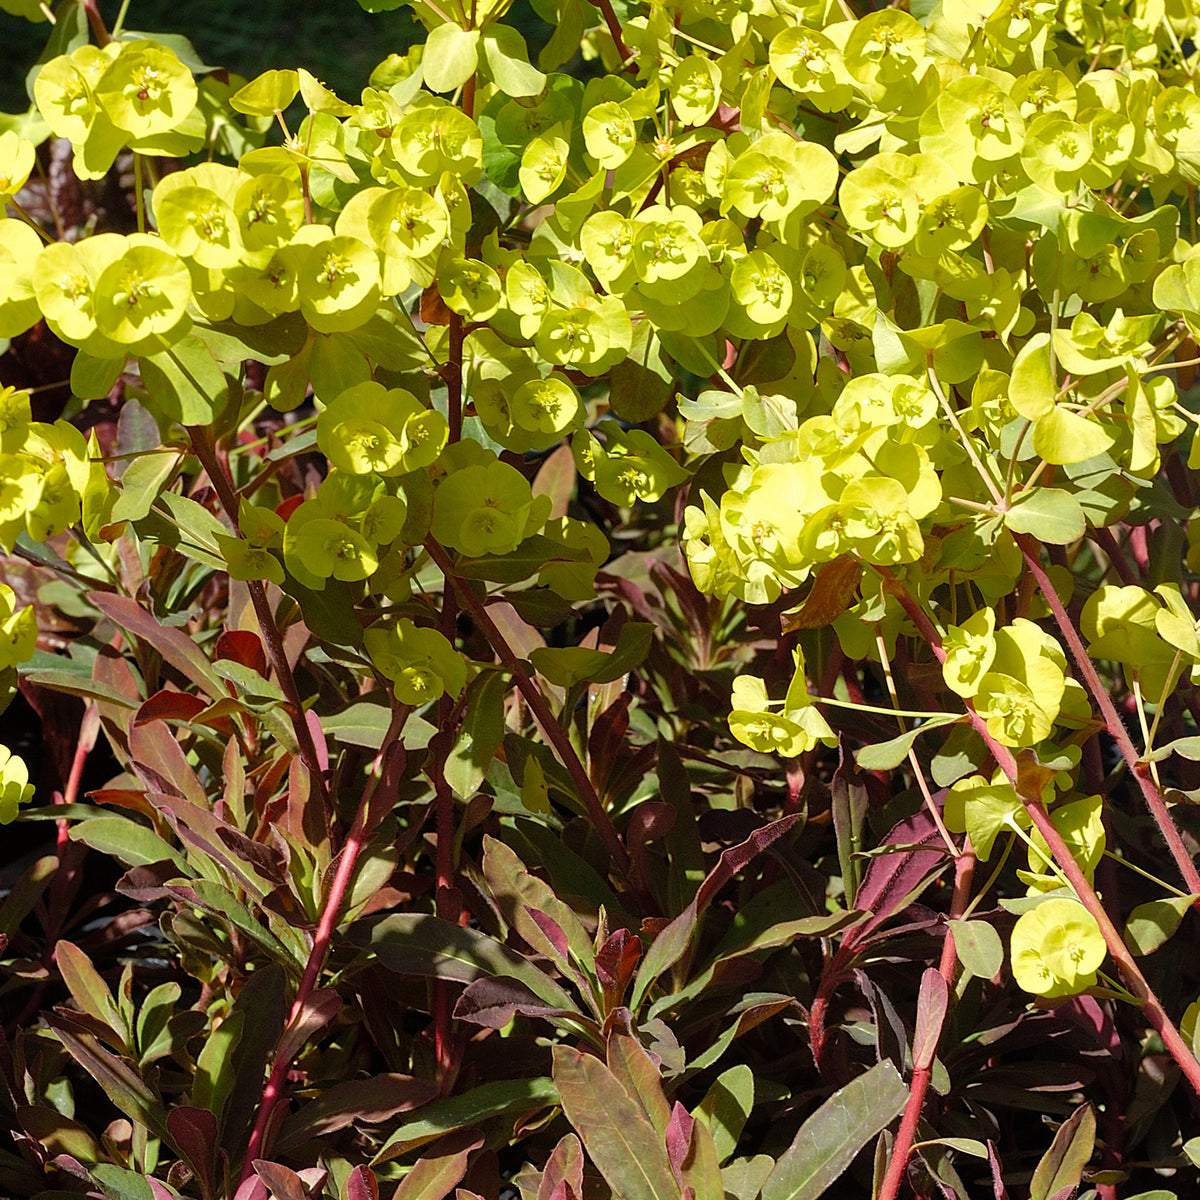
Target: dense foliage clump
(619,627)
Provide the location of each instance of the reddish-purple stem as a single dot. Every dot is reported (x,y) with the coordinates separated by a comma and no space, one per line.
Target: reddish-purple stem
(964,870)
(365,822)
(1160,1022)
(272,639)
(541,710)
(1112,720)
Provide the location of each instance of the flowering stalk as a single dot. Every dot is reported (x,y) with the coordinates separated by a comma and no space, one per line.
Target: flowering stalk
(1112,720)
(1026,786)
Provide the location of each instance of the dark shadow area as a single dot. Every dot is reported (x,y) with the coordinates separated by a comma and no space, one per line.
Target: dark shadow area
(336,40)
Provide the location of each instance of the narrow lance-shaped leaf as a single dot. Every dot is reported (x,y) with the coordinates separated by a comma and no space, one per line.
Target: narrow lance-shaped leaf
(1061,1167)
(672,942)
(617,1135)
(829,1140)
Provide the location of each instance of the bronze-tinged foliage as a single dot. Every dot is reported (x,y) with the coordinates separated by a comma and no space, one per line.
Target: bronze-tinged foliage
(613,625)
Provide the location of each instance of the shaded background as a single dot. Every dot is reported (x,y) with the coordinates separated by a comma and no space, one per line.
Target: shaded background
(334,39)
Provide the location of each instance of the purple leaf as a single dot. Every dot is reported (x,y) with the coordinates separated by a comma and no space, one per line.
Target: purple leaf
(437,1173)
(366,1101)
(492,1003)
(319,1009)
(679,1138)
(616,960)
(932,1002)
(361,1185)
(194,1132)
(284,1183)
(674,941)
(999,1191)
(174,645)
(551,928)
(892,881)
(252,1188)
(564,1170)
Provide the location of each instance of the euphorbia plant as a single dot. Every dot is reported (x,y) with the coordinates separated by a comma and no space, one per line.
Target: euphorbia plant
(375,588)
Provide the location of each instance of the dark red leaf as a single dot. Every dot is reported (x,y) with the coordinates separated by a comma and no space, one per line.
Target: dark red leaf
(194,1131)
(169,705)
(243,646)
(679,1138)
(361,1185)
(616,960)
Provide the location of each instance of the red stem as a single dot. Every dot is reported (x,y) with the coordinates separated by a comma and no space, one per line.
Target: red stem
(541,710)
(96,21)
(1179,1050)
(365,822)
(272,639)
(964,870)
(614,29)
(1116,727)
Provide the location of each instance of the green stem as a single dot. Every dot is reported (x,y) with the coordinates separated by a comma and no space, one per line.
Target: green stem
(120,22)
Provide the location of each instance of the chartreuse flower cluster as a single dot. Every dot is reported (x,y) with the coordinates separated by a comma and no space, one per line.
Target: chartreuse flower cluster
(50,477)
(920,276)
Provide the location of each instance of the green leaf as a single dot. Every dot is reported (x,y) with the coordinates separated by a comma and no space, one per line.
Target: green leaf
(1061,1167)
(419,944)
(1048,514)
(120,1184)
(26,891)
(1063,437)
(979,947)
(186,382)
(1032,387)
(362,724)
(216,1076)
(127,841)
(76,684)
(468,1110)
(89,990)
(884,756)
(641,385)
(480,736)
(726,1108)
(829,1140)
(144,478)
(1151,924)
(220,902)
(93,378)
(508,63)
(270,91)
(435,1174)
(451,57)
(251,686)
(614,1129)
(62,1135)
(572,664)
